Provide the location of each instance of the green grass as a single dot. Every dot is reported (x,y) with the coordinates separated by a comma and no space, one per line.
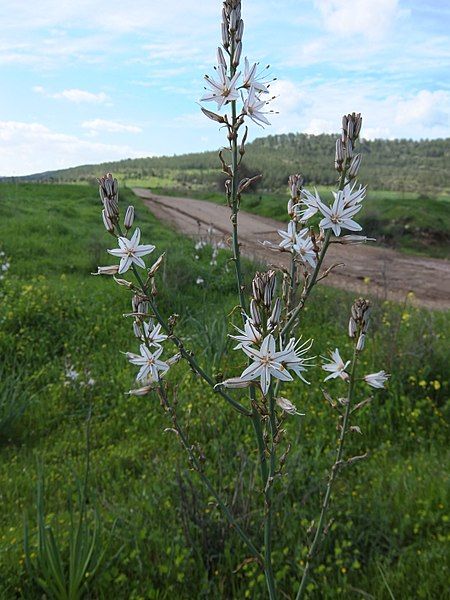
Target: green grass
(390,520)
(407,222)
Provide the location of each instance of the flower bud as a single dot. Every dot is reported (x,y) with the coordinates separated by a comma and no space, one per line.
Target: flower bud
(234,383)
(225,41)
(287,406)
(110,270)
(107,222)
(352,327)
(254,313)
(274,318)
(361,342)
(221,58)
(137,329)
(129,217)
(354,166)
(237,54)
(174,359)
(239,30)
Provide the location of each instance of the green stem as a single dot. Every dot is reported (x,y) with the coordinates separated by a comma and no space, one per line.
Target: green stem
(198,467)
(333,473)
(268,496)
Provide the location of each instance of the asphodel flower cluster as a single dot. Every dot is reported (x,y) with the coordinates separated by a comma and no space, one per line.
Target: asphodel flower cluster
(260,341)
(250,87)
(131,253)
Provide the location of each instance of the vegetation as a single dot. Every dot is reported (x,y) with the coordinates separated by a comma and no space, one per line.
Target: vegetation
(403,166)
(60,340)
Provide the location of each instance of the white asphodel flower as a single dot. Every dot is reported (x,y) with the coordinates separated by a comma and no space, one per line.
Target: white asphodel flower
(377,380)
(304,248)
(149,363)
(351,196)
(249,335)
(308,206)
(295,360)
(130,251)
(223,90)
(153,335)
(267,363)
(253,106)
(336,367)
(288,236)
(252,79)
(337,216)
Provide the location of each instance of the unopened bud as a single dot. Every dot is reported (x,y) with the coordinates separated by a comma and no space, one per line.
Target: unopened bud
(221,58)
(155,266)
(354,166)
(225,40)
(254,313)
(213,116)
(339,158)
(276,313)
(237,54)
(141,391)
(233,20)
(352,327)
(137,329)
(174,359)
(107,222)
(129,217)
(233,383)
(110,270)
(239,30)
(109,209)
(287,406)
(349,149)
(361,342)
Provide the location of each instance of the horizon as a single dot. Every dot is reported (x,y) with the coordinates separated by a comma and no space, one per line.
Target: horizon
(110,83)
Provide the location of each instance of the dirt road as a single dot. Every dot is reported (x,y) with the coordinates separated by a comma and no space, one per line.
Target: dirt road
(367,268)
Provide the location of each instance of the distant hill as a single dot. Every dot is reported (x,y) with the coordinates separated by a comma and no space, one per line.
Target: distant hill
(399,165)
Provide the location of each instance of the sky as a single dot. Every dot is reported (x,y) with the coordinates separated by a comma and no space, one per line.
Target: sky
(98,80)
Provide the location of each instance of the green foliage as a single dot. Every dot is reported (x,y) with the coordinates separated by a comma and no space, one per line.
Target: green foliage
(390,524)
(399,165)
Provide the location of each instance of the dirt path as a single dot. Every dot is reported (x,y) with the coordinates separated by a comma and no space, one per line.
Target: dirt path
(390,274)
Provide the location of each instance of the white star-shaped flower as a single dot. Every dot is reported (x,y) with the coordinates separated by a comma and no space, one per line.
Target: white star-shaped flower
(308,206)
(377,380)
(295,360)
(253,106)
(337,216)
(267,363)
(249,335)
(350,196)
(336,366)
(149,363)
(288,236)
(153,335)
(223,90)
(252,79)
(304,248)
(130,251)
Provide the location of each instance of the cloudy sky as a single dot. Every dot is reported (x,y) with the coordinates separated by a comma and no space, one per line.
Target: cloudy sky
(96,80)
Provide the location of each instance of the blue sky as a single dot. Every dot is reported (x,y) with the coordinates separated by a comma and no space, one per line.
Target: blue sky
(96,80)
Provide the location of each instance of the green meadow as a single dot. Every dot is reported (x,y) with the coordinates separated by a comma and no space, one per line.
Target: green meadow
(159,532)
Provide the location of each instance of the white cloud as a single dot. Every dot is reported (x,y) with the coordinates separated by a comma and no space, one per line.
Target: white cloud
(372,19)
(316,107)
(41,149)
(101,125)
(73,95)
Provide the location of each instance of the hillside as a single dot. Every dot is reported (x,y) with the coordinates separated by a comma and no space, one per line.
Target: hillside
(397,165)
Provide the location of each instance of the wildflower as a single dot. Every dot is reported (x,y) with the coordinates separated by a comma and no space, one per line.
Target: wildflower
(311,203)
(288,236)
(295,361)
(131,252)
(222,91)
(253,106)
(338,216)
(153,335)
(249,335)
(287,406)
(149,363)
(349,196)
(251,78)
(377,380)
(109,270)
(336,366)
(304,247)
(267,363)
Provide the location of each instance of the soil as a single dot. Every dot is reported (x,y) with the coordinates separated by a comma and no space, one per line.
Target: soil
(365,269)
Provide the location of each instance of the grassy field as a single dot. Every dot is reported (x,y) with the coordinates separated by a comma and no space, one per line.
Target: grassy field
(163,535)
(405,221)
